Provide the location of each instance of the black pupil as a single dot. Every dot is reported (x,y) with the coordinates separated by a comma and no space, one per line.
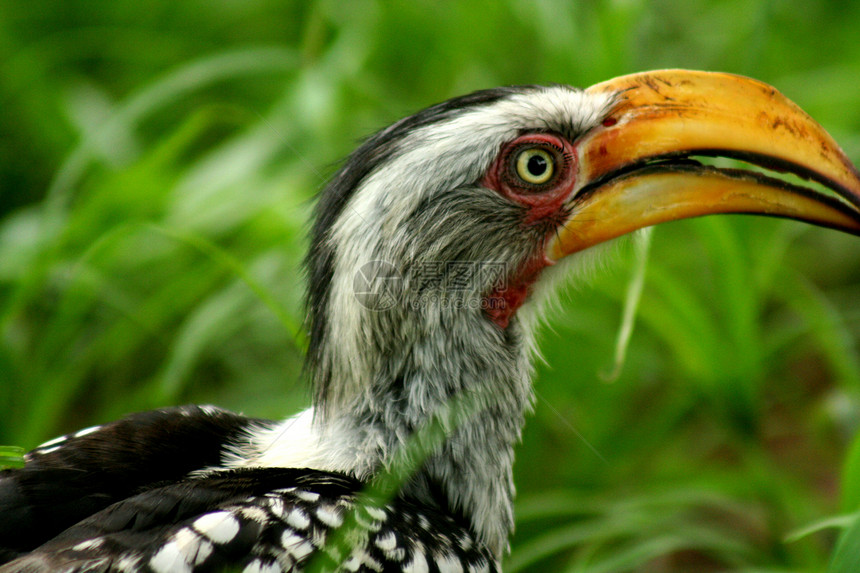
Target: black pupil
(537,165)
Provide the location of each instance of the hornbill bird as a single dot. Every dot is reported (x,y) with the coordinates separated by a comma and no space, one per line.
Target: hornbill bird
(431,251)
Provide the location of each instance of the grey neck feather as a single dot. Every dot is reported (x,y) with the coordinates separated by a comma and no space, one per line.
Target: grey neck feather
(416,378)
(396,368)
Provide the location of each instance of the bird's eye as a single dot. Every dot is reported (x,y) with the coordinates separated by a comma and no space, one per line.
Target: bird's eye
(535,165)
(535,169)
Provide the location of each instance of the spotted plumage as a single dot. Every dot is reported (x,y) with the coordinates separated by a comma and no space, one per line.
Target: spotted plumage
(261,519)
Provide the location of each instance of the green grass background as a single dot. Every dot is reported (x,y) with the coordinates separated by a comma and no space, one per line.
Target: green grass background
(158,161)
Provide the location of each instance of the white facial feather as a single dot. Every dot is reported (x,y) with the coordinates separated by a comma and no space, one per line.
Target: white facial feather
(438,157)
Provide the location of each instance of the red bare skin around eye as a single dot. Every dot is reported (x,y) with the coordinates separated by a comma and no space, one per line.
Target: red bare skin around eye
(541,203)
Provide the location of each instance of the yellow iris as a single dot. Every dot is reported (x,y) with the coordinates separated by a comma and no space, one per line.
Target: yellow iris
(535,166)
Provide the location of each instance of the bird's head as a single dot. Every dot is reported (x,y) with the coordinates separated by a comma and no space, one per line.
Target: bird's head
(444,223)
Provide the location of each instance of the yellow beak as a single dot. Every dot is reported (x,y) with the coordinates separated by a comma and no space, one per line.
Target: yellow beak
(635,170)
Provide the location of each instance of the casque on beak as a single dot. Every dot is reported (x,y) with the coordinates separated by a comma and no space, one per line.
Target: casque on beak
(635,171)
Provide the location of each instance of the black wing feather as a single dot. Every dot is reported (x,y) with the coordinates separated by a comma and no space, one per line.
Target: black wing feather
(280,518)
(78,475)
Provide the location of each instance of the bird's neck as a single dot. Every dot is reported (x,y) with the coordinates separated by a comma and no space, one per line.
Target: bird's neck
(478,369)
(474,383)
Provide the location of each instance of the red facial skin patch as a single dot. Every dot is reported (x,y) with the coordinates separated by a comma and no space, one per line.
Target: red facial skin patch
(543,202)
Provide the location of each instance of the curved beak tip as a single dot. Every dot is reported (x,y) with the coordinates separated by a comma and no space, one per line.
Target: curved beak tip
(635,169)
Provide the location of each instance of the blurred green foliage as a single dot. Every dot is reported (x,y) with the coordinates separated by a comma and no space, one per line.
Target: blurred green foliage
(158,161)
